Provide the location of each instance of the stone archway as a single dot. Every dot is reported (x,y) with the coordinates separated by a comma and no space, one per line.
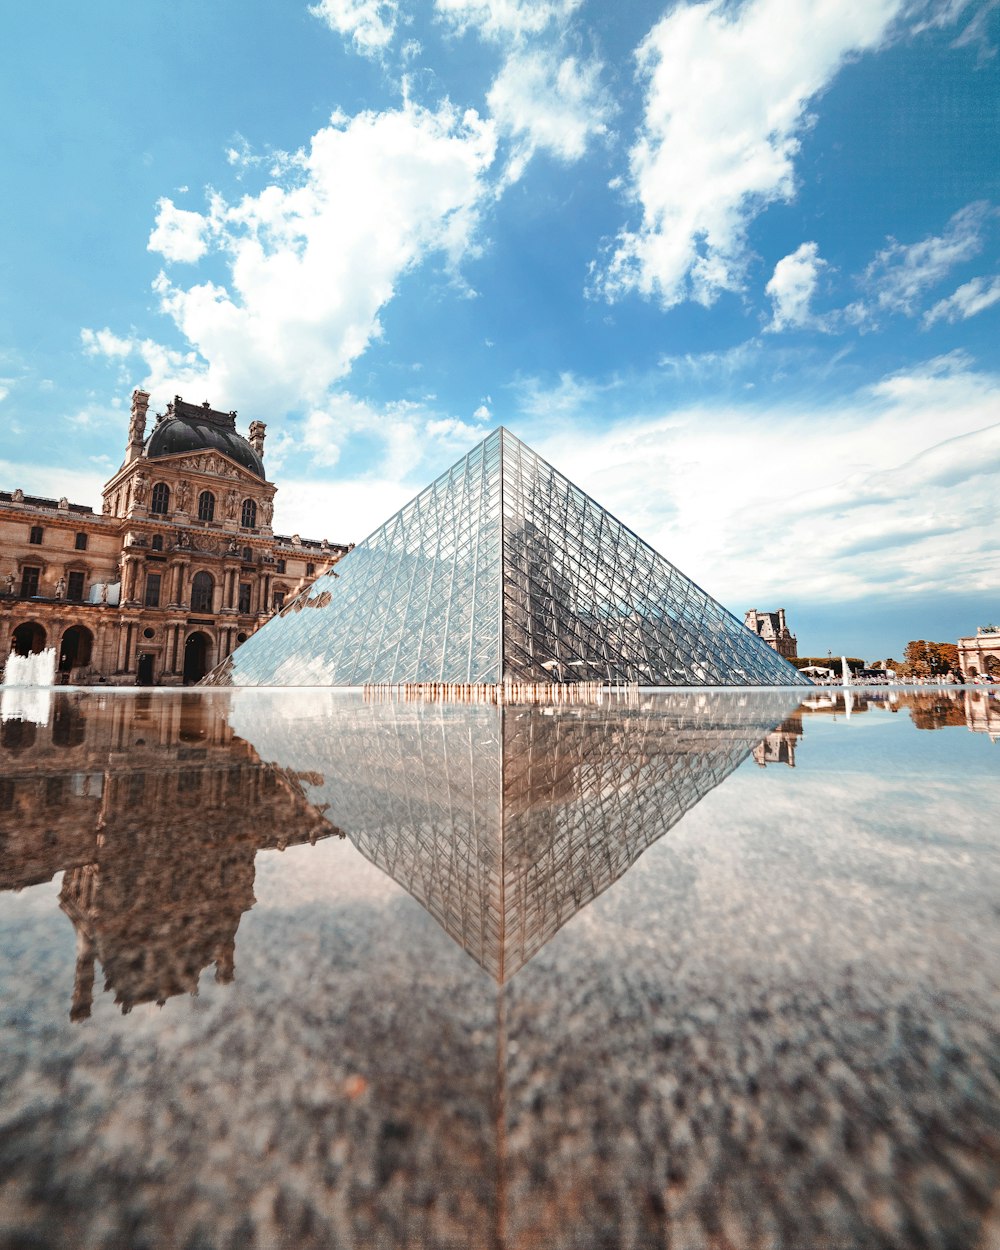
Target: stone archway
(76,648)
(28,639)
(196,652)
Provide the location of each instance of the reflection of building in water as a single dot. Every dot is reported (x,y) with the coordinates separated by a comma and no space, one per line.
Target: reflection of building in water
(154,811)
(982,712)
(503,823)
(779,745)
(978,710)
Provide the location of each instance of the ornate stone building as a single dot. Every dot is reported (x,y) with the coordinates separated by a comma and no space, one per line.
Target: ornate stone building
(979,656)
(771,628)
(180,566)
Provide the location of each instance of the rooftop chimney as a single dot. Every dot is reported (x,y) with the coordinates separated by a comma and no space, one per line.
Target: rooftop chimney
(257,429)
(137,425)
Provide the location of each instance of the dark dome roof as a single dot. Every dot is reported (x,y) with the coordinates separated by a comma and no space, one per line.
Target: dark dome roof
(189,428)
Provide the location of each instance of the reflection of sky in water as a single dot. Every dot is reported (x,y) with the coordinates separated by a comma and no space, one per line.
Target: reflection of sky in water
(756,999)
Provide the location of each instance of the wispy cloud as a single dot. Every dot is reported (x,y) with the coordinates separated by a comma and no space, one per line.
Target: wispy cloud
(368,24)
(53,481)
(505,19)
(722,125)
(970,298)
(902,273)
(547,101)
(777,502)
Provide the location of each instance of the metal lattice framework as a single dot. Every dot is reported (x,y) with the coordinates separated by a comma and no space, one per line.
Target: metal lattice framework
(504,823)
(502,569)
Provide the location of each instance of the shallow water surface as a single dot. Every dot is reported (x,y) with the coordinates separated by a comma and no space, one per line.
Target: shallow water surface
(715,970)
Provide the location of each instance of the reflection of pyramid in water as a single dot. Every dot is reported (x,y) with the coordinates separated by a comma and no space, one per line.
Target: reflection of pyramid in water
(504,570)
(504,824)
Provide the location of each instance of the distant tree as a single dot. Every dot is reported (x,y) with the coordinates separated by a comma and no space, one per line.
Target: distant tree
(930,659)
(915,653)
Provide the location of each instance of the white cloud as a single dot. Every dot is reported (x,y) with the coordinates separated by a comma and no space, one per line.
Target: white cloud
(902,273)
(570,397)
(482,413)
(550,102)
(53,481)
(106,343)
(316,254)
(179,235)
(792,287)
(970,298)
(449,430)
(832,504)
(505,19)
(342,511)
(169,372)
(726,103)
(369,24)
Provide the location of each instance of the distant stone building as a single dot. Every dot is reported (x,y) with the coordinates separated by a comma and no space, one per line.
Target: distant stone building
(771,628)
(980,656)
(180,566)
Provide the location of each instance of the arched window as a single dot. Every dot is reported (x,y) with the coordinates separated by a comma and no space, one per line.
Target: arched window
(249,513)
(206,506)
(160,501)
(202,588)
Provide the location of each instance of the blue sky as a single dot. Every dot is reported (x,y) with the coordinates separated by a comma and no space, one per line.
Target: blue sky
(731,267)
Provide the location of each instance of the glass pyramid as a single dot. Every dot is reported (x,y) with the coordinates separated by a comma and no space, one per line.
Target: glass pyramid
(503,570)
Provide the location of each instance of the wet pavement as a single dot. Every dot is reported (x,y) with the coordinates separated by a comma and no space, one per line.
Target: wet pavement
(714,970)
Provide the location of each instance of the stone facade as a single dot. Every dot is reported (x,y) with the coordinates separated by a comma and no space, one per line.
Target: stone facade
(771,628)
(980,656)
(180,566)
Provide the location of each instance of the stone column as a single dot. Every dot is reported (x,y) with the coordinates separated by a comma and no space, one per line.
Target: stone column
(230,576)
(130,575)
(179,571)
(123,638)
